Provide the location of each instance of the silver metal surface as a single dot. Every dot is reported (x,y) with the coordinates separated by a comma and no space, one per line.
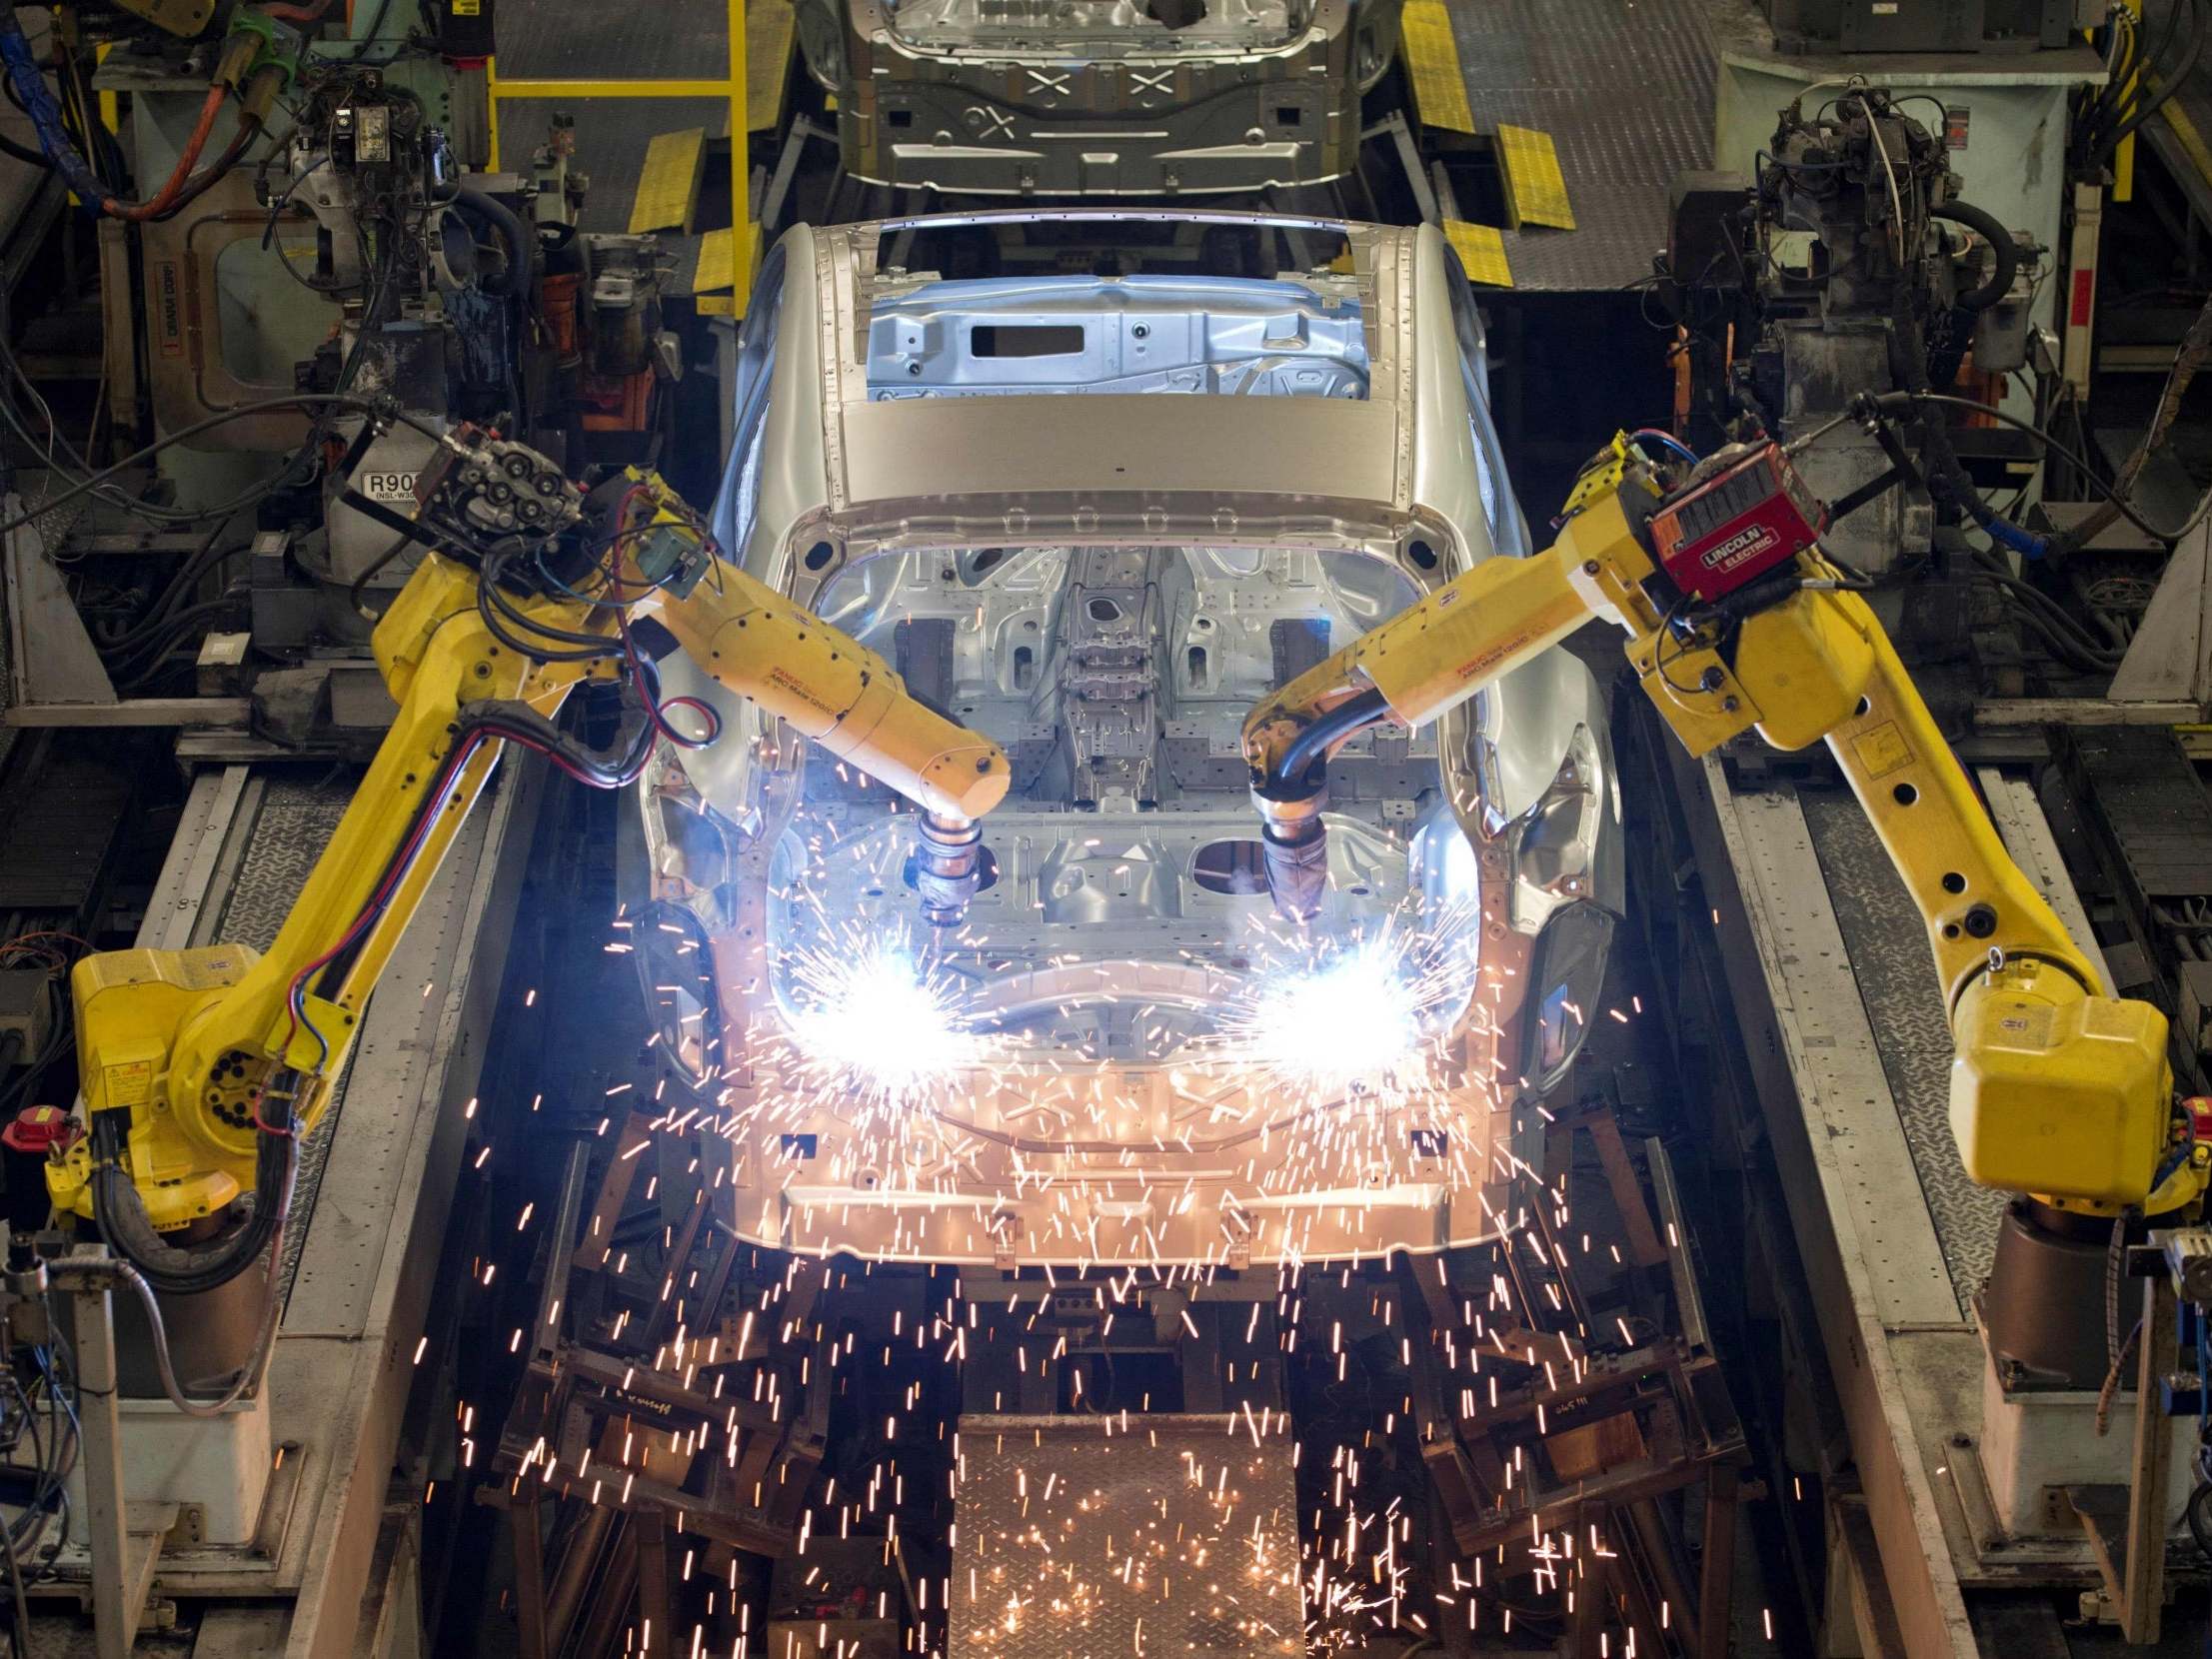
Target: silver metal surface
(51,658)
(1099,1539)
(2170,657)
(1100,28)
(1881,1295)
(115,1614)
(1106,581)
(1119,679)
(1097,97)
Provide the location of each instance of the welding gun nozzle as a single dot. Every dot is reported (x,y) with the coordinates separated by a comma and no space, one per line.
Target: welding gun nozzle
(948,866)
(1295,848)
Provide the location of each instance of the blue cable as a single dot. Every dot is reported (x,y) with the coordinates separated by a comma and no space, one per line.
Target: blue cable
(2006,534)
(1670,439)
(38,102)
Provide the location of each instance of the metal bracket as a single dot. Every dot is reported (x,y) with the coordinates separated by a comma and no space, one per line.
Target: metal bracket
(51,658)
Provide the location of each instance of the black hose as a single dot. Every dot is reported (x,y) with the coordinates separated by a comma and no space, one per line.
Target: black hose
(2169,82)
(1985,225)
(172,597)
(502,219)
(1326,731)
(2197,1532)
(1948,483)
(29,158)
(120,1215)
(361,582)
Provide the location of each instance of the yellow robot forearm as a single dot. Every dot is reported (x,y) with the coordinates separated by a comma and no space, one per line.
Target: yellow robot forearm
(835,690)
(1422,662)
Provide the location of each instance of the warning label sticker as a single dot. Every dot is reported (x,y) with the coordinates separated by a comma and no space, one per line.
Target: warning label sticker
(130,1084)
(1883,750)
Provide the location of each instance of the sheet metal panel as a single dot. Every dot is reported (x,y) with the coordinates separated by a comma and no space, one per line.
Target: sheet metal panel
(1783,951)
(1296,448)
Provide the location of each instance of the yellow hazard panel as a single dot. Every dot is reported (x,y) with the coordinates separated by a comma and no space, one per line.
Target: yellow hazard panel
(1481,249)
(718,262)
(668,185)
(770,30)
(1535,190)
(1432,65)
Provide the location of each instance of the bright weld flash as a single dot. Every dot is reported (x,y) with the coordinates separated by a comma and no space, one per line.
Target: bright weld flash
(878,1017)
(1354,1017)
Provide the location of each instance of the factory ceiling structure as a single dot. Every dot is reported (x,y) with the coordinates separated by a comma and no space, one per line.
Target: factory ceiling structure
(1106,828)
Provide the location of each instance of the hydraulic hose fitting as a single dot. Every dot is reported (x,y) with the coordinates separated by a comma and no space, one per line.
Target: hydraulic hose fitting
(1295,848)
(948,866)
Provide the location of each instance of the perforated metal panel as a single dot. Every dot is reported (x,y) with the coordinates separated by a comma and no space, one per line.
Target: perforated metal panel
(1090,1538)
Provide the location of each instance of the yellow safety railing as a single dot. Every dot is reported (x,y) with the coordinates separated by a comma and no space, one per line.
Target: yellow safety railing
(731,91)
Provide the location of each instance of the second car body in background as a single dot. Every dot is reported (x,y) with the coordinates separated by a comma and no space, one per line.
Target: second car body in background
(1066,98)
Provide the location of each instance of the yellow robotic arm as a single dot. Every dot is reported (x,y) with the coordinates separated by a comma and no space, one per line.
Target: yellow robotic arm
(1734,622)
(200,1068)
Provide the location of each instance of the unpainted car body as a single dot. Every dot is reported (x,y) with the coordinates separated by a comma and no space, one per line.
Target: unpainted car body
(1088,98)
(1097,519)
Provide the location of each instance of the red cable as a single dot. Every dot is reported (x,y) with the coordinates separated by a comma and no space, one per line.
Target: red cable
(140,212)
(382,897)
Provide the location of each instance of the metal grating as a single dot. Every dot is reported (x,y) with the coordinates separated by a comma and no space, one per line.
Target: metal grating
(295,822)
(292,825)
(1896,978)
(568,39)
(59,834)
(1099,1539)
(1626,94)
(2147,791)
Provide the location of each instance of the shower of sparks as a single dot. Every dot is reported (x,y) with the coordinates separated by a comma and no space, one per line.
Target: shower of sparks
(910,1091)
(895,1056)
(875,1018)
(1358,1014)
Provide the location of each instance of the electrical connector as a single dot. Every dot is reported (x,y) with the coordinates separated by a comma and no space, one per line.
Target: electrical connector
(2188,1253)
(256,45)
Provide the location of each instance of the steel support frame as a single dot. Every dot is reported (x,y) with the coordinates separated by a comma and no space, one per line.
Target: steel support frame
(1754,854)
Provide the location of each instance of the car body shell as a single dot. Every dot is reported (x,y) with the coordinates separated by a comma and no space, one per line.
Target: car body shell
(874,453)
